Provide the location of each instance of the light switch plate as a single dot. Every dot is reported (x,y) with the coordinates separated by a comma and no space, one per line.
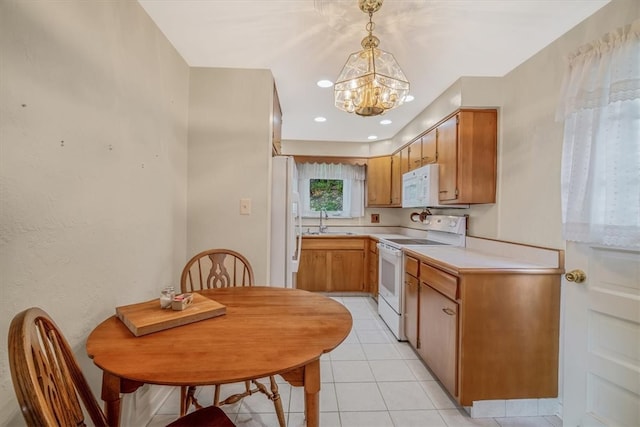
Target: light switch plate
(245,206)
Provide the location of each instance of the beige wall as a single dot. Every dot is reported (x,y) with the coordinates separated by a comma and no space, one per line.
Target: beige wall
(531,146)
(529,139)
(93,143)
(230,159)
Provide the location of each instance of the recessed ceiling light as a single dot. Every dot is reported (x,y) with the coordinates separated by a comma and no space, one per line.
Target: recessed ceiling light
(324,83)
(320,119)
(385,122)
(408,98)
(372,137)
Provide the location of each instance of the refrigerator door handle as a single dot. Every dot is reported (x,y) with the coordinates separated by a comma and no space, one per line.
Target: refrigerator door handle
(295,262)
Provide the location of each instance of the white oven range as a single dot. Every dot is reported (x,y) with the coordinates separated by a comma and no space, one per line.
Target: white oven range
(441,230)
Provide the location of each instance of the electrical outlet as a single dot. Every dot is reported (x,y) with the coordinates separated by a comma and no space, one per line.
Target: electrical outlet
(375,218)
(245,206)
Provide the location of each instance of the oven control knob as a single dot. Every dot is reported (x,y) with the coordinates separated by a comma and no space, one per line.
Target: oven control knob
(453,223)
(426,221)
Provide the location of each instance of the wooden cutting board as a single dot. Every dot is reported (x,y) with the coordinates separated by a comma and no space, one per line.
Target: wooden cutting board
(147,317)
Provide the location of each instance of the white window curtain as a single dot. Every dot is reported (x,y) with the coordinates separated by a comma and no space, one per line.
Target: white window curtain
(600,106)
(352,175)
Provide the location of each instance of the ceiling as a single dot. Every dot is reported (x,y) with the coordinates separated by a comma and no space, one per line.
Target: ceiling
(302,41)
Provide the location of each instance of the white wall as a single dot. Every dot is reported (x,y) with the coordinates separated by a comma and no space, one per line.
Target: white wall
(93,143)
(230,159)
(527,209)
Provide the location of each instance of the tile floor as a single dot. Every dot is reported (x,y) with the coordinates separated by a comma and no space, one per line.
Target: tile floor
(370,380)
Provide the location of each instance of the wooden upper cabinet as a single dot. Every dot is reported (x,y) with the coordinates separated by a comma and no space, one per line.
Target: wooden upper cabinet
(415,154)
(429,148)
(396,179)
(379,181)
(467,150)
(447,159)
(404,160)
(276,132)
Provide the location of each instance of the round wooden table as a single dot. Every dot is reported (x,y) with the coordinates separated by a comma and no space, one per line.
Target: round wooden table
(265,331)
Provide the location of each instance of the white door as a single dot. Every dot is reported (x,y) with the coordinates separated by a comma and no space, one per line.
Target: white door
(601,381)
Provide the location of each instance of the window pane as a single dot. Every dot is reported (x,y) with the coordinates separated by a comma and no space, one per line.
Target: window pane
(325,194)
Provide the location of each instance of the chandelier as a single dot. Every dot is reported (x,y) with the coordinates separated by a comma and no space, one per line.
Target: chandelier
(371,81)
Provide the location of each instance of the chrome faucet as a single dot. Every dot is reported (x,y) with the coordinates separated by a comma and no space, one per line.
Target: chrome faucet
(322,228)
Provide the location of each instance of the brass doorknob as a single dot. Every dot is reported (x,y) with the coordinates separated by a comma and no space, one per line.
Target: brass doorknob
(577,276)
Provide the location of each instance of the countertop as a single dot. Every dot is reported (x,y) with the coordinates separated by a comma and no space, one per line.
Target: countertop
(461,259)
(479,255)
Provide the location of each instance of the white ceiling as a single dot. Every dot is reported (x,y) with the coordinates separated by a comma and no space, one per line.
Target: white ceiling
(302,41)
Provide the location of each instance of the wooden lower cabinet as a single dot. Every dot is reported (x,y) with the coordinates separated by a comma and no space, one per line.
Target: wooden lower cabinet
(345,270)
(411,317)
(332,265)
(487,334)
(439,336)
(373,268)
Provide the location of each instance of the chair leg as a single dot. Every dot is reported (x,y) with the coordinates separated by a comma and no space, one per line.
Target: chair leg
(277,402)
(188,398)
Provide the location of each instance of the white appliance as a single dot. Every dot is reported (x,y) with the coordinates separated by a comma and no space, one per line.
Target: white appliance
(420,189)
(442,230)
(286,223)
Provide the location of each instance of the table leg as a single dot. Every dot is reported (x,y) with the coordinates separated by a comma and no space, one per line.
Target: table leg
(111,398)
(312,393)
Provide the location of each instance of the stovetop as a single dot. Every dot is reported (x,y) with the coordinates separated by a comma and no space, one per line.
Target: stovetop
(441,230)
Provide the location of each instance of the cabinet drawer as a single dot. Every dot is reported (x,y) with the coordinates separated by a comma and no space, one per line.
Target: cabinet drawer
(411,265)
(443,282)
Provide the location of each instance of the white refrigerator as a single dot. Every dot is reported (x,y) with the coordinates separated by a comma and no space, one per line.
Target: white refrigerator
(286,225)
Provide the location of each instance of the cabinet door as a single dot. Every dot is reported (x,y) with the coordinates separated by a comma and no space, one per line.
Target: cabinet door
(467,155)
(312,271)
(396,180)
(429,148)
(346,271)
(415,154)
(404,160)
(379,181)
(438,335)
(477,156)
(411,318)
(373,269)
(447,142)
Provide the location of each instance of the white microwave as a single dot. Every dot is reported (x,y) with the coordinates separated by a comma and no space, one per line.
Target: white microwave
(420,189)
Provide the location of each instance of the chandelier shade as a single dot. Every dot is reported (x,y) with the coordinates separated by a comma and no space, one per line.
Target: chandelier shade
(371,81)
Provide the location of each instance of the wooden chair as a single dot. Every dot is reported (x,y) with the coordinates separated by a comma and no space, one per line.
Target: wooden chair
(49,385)
(222,268)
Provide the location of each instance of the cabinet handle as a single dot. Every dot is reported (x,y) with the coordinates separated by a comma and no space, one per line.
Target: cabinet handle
(449,311)
(443,191)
